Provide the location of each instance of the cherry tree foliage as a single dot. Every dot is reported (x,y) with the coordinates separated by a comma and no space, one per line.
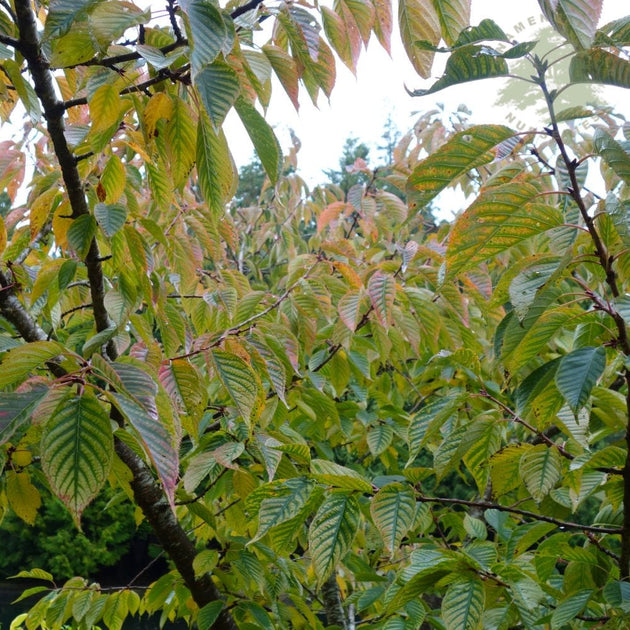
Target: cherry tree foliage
(331,412)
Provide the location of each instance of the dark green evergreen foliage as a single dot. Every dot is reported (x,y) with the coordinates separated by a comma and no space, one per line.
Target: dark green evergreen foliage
(251,179)
(5,204)
(107,534)
(391,136)
(346,176)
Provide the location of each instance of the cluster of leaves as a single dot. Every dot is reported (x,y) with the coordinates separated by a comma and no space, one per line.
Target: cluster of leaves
(288,391)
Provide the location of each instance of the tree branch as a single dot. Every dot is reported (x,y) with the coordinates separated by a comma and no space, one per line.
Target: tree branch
(9,41)
(53,113)
(14,311)
(335,615)
(151,500)
(486,505)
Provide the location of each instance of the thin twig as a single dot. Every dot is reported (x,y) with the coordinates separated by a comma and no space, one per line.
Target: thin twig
(485,505)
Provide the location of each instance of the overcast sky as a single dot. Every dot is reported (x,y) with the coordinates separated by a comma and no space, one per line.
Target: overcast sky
(360,106)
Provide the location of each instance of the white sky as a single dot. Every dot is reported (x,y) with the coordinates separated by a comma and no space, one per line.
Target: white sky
(359,106)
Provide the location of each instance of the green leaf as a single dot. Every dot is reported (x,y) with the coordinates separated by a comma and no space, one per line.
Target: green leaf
(332,531)
(393,508)
(468,63)
(205,562)
(600,66)
(62,14)
(23,88)
(110,217)
(463,604)
(578,373)
(263,138)
(616,33)
(382,290)
(525,340)
(241,382)
(288,500)
(486,30)
(535,384)
(208,31)
(568,608)
(115,610)
(622,305)
(35,574)
(215,167)
(19,362)
(613,154)
(617,593)
(418,20)
(77,449)
(16,410)
(209,614)
(218,87)
(81,233)
(77,46)
(526,285)
(340,476)
(464,151)
(476,528)
(540,469)
(94,343)
(109,20)
(500,218)
(427,421)
(379,438)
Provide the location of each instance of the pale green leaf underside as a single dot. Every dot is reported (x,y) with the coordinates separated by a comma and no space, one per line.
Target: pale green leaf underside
(463,604)
(540,468)
(454,16)
(393,510)
(240,381)
(418,20)
(613,154)
(77,450)
(16,410)
(578,373)
(288,502)
(332,531)
(574,19)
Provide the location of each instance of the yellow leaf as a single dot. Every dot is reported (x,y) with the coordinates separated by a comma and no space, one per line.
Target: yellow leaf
(41,209)
(159,106)
(23,496)
(349,274)
(3,235)
(105,108)
(60,224)
(113,180)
